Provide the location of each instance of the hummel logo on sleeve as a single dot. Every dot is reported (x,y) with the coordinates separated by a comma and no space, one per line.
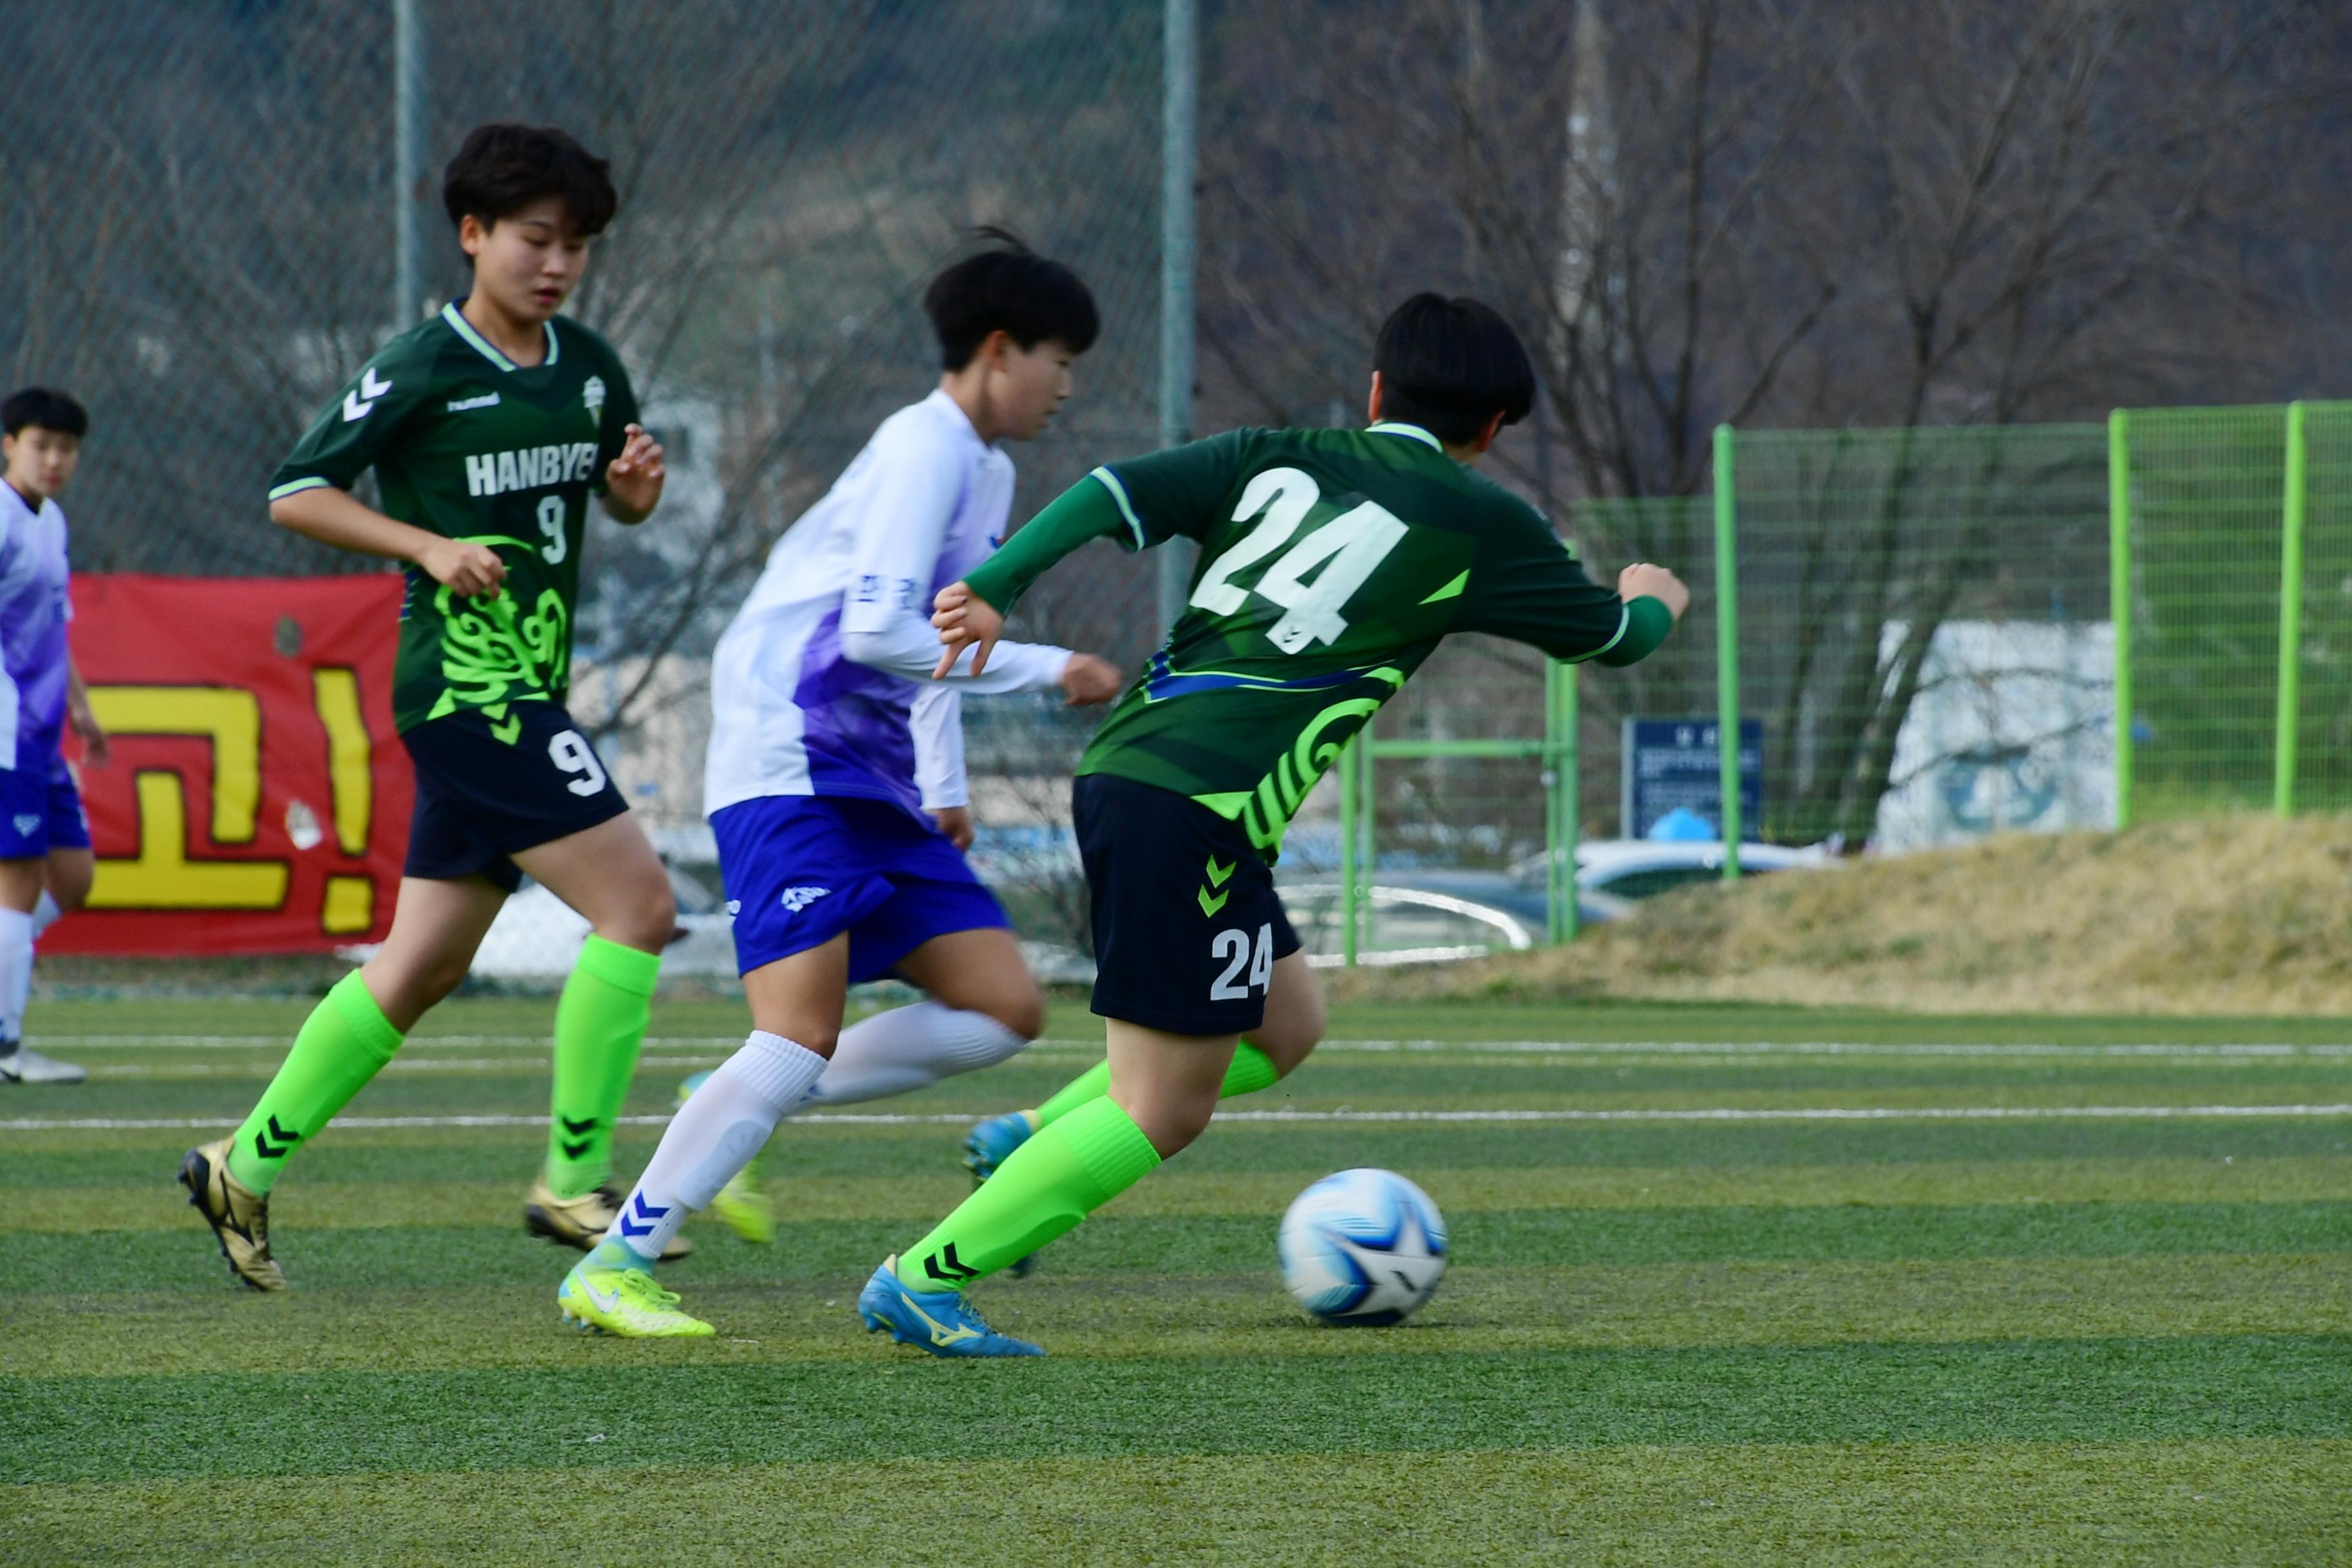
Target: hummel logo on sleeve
(361,400)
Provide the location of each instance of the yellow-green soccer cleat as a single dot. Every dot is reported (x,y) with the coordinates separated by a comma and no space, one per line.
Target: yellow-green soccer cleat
(744,1208)
(239,1216)
(625,1301)
(743,1204)
(581,1222)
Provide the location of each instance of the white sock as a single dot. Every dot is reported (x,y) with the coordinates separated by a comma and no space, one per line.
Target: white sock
(45,913)
(16,971)
(909,1048)
(714,1134)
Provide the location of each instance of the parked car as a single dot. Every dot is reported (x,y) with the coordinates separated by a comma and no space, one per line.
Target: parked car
(1627,870)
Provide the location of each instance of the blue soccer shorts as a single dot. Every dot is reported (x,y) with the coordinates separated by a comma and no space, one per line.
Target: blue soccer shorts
(41,809)
(801,869)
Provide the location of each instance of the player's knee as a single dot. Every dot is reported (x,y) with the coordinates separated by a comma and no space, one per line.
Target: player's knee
(646,920)
(69,885)
(1172,1128)
(406,990)
(1021,1008)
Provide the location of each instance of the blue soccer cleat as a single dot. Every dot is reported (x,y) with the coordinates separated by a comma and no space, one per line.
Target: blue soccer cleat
(988,1145)
(939,1322)
(991,1143)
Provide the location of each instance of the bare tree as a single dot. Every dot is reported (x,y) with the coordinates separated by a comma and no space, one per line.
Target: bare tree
(1760,212)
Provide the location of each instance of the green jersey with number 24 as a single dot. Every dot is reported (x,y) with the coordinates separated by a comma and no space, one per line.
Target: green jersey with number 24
(1332,564)
(470,445)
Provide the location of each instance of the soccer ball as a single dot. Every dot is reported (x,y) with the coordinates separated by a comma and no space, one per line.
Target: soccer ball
(1362,1248)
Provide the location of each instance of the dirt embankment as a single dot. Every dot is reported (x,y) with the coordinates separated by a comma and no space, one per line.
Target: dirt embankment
(2238,915)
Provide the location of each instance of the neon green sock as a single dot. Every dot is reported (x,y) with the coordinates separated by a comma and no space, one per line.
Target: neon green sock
(343,1043)
(1084,1090)
(599,1023)
(1252,1071)
(1042,1189)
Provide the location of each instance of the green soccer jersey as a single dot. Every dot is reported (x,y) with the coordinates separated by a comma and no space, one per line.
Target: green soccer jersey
(1332,564)
(472,446)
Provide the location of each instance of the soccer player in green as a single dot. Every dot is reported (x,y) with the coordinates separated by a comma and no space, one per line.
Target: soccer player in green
(1332,564)
(489,427)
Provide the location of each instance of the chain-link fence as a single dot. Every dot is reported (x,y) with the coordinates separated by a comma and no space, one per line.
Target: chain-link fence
(2236,559)
(1918,630)
(200,220)
(198,212)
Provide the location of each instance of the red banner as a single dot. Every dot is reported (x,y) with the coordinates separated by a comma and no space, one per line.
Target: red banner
(257,799)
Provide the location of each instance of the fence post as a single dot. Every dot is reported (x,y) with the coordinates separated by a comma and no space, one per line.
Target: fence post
(1562,807)
(1179,164)
(1348,853)
(1726,646)
(1367,861)
(2290,659)
(2119,600)
(407,165)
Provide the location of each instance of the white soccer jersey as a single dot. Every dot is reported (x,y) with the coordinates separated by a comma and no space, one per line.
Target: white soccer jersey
(822,683)
(34,610)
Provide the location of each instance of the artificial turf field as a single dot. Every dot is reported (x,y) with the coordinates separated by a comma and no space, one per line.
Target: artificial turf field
(2080,1315)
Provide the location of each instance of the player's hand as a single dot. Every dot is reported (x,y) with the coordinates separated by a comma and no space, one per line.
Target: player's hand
(635,478)
(465,569)
(1643,580)
(1090,681)
(964,620)
(97,750)
(955,821)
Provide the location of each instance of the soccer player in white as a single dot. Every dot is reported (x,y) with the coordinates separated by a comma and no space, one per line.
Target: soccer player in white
(834,782)
(46,864)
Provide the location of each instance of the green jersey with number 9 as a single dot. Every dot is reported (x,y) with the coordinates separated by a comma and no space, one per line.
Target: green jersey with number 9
(468,445)
(1332,564)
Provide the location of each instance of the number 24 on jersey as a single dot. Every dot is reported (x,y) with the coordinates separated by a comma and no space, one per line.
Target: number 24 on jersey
(1349,548)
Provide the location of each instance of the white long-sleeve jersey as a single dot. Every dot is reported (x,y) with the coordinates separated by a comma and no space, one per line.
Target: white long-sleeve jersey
(820,685)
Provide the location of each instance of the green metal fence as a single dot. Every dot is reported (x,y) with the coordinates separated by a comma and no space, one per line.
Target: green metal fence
(2232,567)
(1943,632)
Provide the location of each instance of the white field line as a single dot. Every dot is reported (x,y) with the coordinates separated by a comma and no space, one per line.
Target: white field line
(1303,1118)
(68,1044)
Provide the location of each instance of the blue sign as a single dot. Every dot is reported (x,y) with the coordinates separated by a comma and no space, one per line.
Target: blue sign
(1674,765)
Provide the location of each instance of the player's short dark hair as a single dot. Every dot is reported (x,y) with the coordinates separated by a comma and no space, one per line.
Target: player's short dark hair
(1450,365)
(49,410)
(1008,288)
(503,168)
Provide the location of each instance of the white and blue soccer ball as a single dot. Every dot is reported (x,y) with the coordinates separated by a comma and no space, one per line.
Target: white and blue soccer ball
(1363,1247)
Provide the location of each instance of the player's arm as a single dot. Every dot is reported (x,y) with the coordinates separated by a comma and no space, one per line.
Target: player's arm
(310,494)
(937,724)
(897,559)
(97,750)
(1527,586)
(633,468)
(1140,503)
(337,517)
(632,481)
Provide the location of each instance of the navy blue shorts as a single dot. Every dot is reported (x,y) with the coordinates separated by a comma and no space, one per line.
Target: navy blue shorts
(1186,923)
(41,809)
(490,785)
(800,869)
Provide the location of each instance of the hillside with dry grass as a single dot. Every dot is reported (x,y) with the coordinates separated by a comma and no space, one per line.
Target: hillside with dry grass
(2238,915)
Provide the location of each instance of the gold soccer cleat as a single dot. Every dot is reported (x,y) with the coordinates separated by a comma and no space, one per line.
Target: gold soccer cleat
(239,1217)
(581,1222)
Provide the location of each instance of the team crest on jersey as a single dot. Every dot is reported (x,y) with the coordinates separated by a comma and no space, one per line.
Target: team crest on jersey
(592,395)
